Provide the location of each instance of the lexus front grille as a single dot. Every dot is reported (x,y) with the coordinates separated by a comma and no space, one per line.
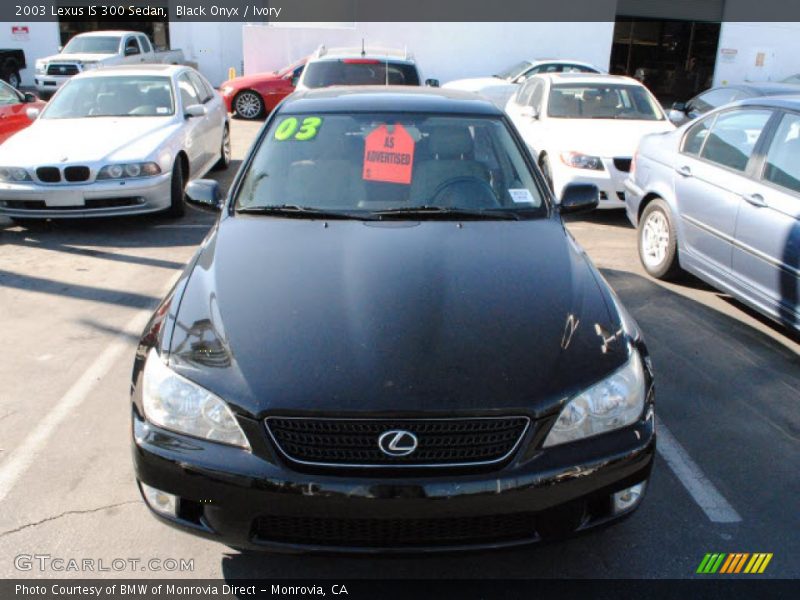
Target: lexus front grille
(440,442)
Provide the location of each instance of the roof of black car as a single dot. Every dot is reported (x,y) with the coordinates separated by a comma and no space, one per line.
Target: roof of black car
(389,99)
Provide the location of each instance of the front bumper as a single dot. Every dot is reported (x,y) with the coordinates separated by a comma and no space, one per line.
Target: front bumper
(49,84)
(610,181)
(255,500)
(97,199)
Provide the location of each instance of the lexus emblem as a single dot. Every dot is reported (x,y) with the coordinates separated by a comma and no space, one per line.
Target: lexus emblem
(397,442)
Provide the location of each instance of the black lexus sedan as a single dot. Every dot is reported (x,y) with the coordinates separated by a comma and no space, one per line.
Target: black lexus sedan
(389,343)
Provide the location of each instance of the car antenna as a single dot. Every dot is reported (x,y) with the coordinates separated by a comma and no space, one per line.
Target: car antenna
(363,48)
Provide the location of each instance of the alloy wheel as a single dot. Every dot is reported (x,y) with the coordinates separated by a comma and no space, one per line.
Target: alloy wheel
(248,105)
(655,239)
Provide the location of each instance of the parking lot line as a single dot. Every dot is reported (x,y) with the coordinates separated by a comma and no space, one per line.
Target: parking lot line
(700,488)
(22,457)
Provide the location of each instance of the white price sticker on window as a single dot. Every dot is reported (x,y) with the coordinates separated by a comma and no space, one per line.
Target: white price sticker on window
(521,196)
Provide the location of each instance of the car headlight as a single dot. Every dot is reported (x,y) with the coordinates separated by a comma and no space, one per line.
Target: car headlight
(41,67)
(576,160)
(226,90)
(89,64)
(129,170)
(173,402)
(14,174)
(617,401)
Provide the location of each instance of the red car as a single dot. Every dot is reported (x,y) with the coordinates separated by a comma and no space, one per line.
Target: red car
(14,107)
(252,96)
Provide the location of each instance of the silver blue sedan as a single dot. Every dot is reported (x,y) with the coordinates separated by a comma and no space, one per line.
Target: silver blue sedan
(720,198)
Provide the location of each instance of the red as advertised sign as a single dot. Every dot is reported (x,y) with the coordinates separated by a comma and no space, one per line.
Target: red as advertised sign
(389,155)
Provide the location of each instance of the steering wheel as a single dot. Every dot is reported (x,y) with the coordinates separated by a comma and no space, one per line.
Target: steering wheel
(469,192)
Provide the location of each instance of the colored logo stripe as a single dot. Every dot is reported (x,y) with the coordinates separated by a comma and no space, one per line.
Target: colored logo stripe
(721,562)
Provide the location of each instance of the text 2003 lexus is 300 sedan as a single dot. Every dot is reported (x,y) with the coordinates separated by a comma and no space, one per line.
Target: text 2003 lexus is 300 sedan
(389,342)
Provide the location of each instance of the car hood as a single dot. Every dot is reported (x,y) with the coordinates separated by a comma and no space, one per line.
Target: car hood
(350,317)
(104,138)
(599,137)
(80,57)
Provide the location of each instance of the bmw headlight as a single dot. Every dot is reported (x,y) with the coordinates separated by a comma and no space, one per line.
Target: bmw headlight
(576,160)
(129,170)
(616,401)
(14,175)
(173,402)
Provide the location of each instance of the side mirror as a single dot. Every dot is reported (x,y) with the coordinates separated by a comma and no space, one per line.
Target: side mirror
(195,110)
(579,197)
(28,97)
(205,194)
(681,106)
(432,82)
(528,112)
(33,113)
(131,51)
(677,117)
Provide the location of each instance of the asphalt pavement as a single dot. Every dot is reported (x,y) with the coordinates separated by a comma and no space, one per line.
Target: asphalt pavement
(74,297)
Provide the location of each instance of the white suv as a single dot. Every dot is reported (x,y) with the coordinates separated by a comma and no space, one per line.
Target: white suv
(360,66)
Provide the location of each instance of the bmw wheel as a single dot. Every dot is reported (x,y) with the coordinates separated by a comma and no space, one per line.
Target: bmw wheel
(176,206)
(658,244)
(248,105)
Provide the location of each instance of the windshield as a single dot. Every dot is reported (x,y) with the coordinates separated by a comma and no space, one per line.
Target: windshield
(291,67)
(92,45)
(117,96)
(367,164)
(359,71)
(603,101)
(514,71)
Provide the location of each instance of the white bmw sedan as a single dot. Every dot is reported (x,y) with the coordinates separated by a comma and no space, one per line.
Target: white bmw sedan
(115,141)
(584,128)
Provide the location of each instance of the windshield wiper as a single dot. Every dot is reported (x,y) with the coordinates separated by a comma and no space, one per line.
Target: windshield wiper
(302,212)
(444,211)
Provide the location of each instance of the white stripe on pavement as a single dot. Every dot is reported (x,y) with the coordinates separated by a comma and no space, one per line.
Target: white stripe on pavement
(23,456)
(707,497)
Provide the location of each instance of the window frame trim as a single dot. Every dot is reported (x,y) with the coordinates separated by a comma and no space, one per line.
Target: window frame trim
(750,168)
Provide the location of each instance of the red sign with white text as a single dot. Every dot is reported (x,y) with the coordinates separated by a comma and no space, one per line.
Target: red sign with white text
(389,155)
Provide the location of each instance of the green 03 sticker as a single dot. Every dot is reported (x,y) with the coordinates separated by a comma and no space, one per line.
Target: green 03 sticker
(293,129)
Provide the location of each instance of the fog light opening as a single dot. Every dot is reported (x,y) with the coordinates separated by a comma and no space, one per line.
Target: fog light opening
(161,502)
(626,499)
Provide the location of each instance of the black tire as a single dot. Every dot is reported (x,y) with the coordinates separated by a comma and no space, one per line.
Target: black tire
(544,165)
(248,105)
(176,206)
(224,151)
(13,78)
(658,241)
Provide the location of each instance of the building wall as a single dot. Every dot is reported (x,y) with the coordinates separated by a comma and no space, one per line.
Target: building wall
(42,40)
(214,47)
(444,51)
(757,52)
